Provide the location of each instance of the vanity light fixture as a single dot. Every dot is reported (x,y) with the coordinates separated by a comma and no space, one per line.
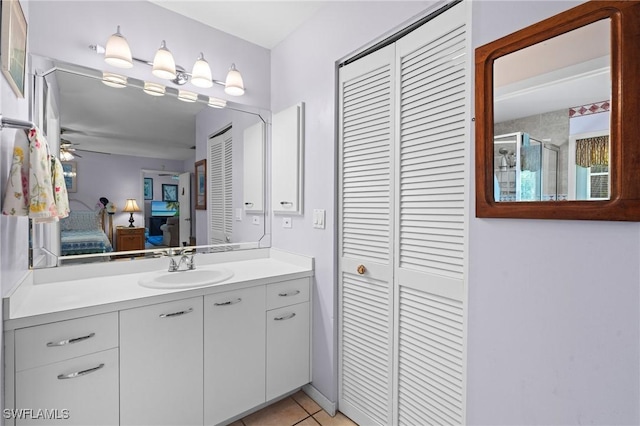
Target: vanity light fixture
(216,102)
(131,206)
(118,54)
(186,96)
(114,80)
(117,51)
(154,89)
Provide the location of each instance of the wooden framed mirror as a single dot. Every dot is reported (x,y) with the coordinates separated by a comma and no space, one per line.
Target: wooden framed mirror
(532,160)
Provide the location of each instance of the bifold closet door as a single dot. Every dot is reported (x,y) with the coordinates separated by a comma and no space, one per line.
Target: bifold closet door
(431,217)
(366,237)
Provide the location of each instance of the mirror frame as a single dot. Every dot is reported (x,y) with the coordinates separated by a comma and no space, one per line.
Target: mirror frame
(624,202)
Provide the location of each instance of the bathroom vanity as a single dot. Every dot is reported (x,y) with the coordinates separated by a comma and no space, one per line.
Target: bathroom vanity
(98,348)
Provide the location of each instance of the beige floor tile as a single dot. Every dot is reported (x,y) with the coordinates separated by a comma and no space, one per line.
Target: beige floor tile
(282,413)
(340,419)
(306,402)
(309,421)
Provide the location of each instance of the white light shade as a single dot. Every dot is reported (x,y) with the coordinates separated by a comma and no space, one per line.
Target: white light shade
(164,66)
(187,96)
(114,80)
(217,103)
(233,85)
(117,51)
(154,89)
(201,73)
(131,206)
(66,156)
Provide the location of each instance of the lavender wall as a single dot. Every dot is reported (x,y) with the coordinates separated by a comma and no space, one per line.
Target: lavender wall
(118,177)
(303,69)
(553,305)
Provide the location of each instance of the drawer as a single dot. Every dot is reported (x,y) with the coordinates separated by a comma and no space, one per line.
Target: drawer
(131,231)
(83,389)
(49,343)
(287,293)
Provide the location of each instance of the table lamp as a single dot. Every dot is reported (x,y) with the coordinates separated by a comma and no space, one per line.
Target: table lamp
(131,206)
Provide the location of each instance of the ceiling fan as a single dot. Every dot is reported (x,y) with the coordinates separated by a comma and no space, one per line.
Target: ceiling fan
(67,152)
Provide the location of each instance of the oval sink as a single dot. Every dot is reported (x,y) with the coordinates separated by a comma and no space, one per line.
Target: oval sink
(185,279)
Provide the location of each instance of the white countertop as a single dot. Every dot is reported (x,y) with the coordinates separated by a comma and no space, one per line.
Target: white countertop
(79,292)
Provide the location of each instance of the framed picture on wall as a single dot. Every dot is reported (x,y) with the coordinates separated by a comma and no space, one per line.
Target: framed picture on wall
(148,188)
(201,185)
(169,192)
(70,175)
(13,45)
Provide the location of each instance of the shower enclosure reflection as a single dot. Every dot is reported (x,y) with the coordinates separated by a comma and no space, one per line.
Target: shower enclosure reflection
(526,169)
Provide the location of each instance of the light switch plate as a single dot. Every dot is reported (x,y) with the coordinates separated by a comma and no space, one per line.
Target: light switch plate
(286,222)
(319,217)
(256,220)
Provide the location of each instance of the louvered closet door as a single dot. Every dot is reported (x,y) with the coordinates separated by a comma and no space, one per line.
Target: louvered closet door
(220,188)
(433,108)
(365,335)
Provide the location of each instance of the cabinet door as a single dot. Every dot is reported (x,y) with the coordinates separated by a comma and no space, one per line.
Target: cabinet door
(253,180)
(287,159)
(234,342)
(161,364)
(288,365)
(79,391)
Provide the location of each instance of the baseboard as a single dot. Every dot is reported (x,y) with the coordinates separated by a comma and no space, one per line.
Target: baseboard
(320,399)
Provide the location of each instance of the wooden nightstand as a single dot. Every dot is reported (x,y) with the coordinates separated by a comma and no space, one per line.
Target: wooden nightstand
(129,239)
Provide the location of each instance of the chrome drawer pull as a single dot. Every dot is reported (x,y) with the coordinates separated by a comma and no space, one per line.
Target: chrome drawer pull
(70,341)
(285,317)
(228,302)
(289,293)
(177,314)
(79,373)
(286,203)
(248,204)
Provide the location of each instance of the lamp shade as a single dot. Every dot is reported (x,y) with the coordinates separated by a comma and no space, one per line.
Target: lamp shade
(114,80)
(117,51)
(164,66)
(234,85)
(131,206)
(201,73)
(154,89)
(217,103)
(186,96)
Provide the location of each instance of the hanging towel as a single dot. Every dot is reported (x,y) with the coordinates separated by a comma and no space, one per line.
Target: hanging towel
(35,188)
(61,197)
(16,197)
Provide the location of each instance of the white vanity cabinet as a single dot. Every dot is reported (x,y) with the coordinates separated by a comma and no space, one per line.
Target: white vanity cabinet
(234,356)
(67,372)
(287,160)
(161,355)
(288,337)
(203,356)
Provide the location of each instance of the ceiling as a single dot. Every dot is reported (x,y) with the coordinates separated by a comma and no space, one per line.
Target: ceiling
(265,23)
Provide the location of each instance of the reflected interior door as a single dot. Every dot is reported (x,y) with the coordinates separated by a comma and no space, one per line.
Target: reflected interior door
(184,198)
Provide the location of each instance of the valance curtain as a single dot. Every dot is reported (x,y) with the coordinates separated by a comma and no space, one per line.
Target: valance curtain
(592,151)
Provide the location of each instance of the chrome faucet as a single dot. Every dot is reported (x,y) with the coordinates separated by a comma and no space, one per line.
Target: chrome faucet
(185,259)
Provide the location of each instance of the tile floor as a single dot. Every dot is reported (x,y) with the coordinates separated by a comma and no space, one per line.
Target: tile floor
(298,409)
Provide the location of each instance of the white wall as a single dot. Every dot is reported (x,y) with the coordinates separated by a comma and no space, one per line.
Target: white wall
(303,69)
(553,305)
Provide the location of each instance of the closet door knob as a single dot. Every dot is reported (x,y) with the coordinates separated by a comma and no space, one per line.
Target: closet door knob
(361,269)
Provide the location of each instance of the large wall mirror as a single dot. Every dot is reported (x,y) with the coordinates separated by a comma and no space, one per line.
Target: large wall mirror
(556,117)
(119,144)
